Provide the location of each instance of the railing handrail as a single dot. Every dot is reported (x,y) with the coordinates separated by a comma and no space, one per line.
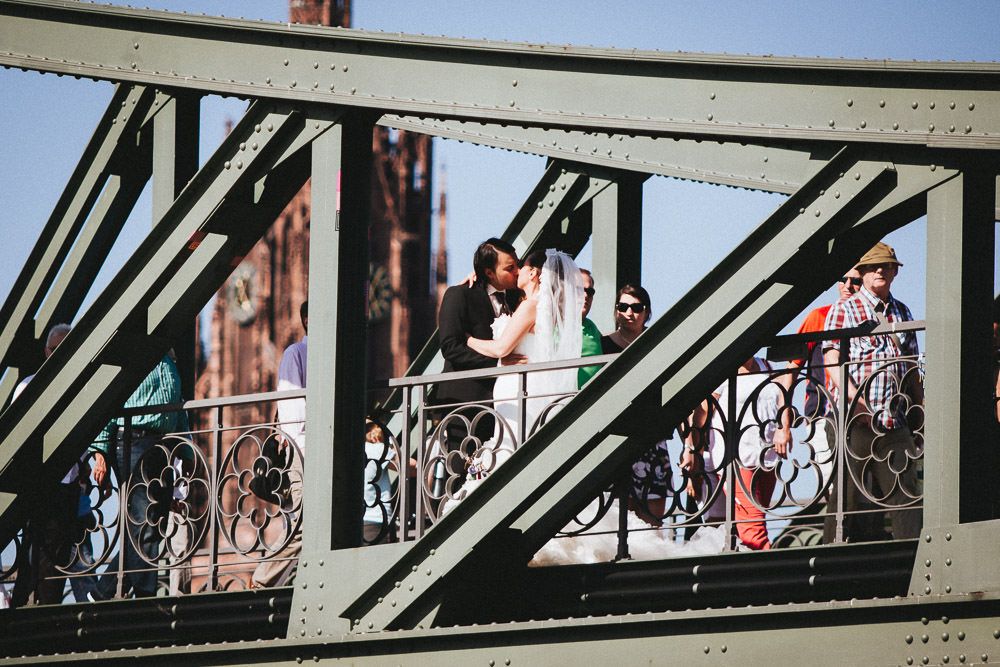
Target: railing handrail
(781,344)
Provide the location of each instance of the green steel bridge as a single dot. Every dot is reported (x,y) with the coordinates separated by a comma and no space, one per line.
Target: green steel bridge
(861,147)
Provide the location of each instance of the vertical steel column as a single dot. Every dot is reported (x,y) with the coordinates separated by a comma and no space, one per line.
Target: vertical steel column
(175,162)
(335,395)
(617,244)
(960,475)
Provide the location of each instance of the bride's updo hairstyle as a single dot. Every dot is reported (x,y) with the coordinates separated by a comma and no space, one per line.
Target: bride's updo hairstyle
(535,260)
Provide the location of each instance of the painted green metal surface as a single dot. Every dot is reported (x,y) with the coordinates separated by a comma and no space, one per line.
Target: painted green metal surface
(746,165)
(87,218)
(883,102)
(218,217)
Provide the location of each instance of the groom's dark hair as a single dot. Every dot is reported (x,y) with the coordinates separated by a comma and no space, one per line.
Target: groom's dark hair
(486,256)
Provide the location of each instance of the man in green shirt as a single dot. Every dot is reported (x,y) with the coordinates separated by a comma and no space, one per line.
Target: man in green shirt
(161,386)
(591,334)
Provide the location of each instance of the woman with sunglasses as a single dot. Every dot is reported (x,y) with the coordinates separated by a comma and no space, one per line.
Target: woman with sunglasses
(650,474)
(632,311)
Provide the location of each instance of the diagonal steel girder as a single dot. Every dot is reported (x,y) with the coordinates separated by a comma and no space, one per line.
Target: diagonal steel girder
(212,224)
(88,216)
(745,165)
(770,98)
(791,258)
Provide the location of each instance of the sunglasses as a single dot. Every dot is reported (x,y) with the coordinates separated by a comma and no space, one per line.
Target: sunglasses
(589,291)
(853,281)
(621,307)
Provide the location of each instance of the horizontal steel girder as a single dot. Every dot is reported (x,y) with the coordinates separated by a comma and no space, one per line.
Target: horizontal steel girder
(770,169)
(824,228)
(769,99)
(213,223)
(835,633)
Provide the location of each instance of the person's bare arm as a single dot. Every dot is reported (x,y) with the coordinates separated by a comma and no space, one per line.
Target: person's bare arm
(783,432)
(520,323)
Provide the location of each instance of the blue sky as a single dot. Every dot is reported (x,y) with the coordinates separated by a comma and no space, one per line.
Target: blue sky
(688,227)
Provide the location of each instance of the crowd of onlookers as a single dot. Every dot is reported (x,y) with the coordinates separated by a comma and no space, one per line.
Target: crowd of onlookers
(470,338)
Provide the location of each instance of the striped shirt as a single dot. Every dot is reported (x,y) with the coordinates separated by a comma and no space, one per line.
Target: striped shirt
(162,385)
(872,351)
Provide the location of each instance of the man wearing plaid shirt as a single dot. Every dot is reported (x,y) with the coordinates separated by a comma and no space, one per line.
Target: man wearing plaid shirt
(881,451)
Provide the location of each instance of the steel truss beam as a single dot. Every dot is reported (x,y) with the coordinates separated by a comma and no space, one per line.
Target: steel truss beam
(86,220)
(745,165)
(772,99)
(848,205)
(218,217)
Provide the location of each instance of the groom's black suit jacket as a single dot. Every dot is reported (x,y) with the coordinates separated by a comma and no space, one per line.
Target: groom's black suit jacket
(465,311)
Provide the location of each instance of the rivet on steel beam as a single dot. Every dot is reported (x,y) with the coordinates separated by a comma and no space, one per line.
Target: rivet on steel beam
(927,563)
(267,80)
(392,603)
(927,590)
(933,168)
(227,165)
(345,68)
(925,620)
(924,638)
(270,128)
(972,106)
(881,103)
(927,576)
(857,175)
(370,625)
(947,561)
(294,83)
(302,633)
(909,661)
(895,126)
(831,122)
(514,83)
(396,585)
(908,639)
(951,128)
(315,65)
(711,117)
(927,538)
(353,90)
(836,195)
(707,649)
(914,104)
(932,105)
(133,65)
(864,124)
(961,636)
(930,128)
(968,128)
(947,589)
(947,537)
(319,607)
(984,657)
(315,84)
(286,62)
(924,660)
(410,587)
(961,658)
(944,636)
(413,568)
(850,102)
(711,96)
(243,146)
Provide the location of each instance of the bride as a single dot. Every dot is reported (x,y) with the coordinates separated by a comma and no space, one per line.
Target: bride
(546,326)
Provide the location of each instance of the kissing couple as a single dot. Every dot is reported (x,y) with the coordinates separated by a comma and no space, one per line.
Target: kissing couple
(511,313)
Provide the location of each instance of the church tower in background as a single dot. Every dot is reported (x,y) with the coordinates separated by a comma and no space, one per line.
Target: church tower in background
(256,312)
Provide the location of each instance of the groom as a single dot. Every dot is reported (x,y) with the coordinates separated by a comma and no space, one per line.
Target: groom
(469,312)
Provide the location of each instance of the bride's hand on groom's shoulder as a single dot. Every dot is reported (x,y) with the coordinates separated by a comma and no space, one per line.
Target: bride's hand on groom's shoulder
(514,360)
(470,280)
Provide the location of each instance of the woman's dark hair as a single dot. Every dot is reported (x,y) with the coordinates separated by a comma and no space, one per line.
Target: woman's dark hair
(535,260)
(486,256)
(640,293)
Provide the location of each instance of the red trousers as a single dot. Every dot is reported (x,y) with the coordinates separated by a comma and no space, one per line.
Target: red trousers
(750,526)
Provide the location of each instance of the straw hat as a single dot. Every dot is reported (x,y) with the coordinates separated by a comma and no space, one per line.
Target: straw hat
(882,253)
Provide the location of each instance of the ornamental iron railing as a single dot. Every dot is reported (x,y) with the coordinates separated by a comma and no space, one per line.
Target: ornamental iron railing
(204,508)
